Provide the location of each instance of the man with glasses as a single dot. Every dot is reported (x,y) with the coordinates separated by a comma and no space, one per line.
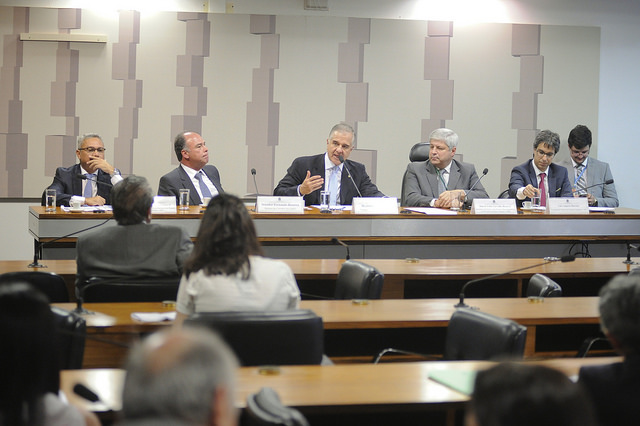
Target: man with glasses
(585,171)
(91,180)
(539,177)
(307,176)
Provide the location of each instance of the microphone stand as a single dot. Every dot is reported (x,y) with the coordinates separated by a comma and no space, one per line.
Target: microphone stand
(343,244)
(341,158)
(461,304)
(628,261)
(253,172)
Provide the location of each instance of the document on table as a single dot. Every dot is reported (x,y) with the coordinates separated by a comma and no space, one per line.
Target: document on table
(154,316)
(431,210)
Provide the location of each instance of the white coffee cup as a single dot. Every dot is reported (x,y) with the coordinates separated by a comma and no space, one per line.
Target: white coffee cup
(526,205)
(75,204)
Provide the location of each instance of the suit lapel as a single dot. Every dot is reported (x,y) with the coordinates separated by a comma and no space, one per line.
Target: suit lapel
(194,198)
(454,175)
(432,179)
(317,168)
(76,182)
(532,174)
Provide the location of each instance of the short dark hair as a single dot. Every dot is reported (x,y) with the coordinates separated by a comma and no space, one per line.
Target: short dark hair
(529,395)
(131,200)
(226,239)
(579,137)
(180,143)
(547,137)
(620,311)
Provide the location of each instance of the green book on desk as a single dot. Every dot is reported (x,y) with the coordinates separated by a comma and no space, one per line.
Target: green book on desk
(458,380)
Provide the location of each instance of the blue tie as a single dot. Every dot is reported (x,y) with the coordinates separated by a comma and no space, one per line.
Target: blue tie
(333,186)
(203,186)
(88,188)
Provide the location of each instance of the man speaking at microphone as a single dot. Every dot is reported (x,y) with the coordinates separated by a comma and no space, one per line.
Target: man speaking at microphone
(90,181)
(331,171)
(432,183)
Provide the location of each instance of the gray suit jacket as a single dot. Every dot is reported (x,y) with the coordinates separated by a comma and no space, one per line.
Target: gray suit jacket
(176,179)
(122,251)
(597,172)
(421,183)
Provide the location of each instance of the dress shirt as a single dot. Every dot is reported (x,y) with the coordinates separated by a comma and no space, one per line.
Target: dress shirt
(196,183)
(445,173)
(117,177)
(520,194)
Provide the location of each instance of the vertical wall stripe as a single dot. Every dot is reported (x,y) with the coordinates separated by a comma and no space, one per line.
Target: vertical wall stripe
(13,143)
(263,115)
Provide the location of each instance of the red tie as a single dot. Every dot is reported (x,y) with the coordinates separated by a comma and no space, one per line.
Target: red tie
(543,191)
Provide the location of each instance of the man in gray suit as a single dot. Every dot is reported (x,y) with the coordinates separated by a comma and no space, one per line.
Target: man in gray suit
(434,182)
(585,171)
(135,247)
(193,173)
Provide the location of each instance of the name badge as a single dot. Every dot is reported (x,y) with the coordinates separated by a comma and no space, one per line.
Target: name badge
(275,204)
(568,205)
(494,206)
(375,205)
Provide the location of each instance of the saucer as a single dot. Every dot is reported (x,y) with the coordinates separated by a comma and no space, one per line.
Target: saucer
(80,210)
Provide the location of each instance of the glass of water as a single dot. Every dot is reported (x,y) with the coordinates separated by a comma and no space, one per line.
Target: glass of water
(50,200)
(184,199)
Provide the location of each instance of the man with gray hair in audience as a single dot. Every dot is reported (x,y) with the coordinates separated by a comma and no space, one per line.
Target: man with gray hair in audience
(183,376)
(615,388)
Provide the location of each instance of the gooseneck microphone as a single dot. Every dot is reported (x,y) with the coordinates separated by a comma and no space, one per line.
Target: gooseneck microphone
(563,259)
(84,177)
(484,173)
(341,158)
(606,182)
(253,172)
(85,392)
(343,244)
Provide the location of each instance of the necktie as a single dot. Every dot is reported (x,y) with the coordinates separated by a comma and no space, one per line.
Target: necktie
(441,186)
(543,190)
(333,186)
(88,188)
(581,179)
(203,186)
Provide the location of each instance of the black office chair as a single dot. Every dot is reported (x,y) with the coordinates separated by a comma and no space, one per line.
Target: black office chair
(264,408)
(598,345)
(293,337)
(52,285)
(476,335)
(72,330)
(357,280)
(418,152)
(129,289)
(504,194)
(543,286)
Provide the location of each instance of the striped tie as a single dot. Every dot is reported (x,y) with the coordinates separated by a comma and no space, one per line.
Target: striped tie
(581,183)
(88,188)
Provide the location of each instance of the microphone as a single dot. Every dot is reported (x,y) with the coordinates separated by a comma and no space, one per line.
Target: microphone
(563,259)
(85,392)
(343,244)
(606,182)
(484,173)
(37,249)
(84,177)
(253,172)
(341,158)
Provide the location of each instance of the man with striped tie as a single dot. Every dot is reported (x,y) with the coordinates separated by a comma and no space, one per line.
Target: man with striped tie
(587,172)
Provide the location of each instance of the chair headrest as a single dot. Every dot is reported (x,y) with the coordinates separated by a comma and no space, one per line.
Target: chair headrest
(419,152)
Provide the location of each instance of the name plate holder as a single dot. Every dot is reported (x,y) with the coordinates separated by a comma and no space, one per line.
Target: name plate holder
(568,205)
(494,206)
(275,204)
(375,205)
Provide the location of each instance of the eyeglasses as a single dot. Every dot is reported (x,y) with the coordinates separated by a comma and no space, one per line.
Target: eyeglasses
(91,149)
(542,153)
(582,152)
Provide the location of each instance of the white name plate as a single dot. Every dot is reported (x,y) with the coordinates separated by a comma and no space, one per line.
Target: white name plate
(163,204)
(568,205)
(494,206)
(274,204)
(375,205)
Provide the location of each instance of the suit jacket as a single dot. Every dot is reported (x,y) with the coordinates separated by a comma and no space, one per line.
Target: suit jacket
(124,251)
(67,183)
(421,182)
(524,174)
(614,390)
(297,172)
(172,182)
(597,172)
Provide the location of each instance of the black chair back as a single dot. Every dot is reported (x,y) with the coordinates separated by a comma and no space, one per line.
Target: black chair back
(476,335)
(135,289)
(357,280)
(418,152)
(504,194)
(265,409)
(52,285)
(293,337)
(541,285)
(72,330)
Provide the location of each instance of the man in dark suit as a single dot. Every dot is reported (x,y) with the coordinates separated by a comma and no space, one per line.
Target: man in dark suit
(193,173)
(98,175)
(307,176)
(615,388)
(539,177)
(135,247)
(439,179)
(585,171)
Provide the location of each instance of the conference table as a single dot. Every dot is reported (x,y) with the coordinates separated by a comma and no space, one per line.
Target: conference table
(339,394)
(355,332)
(404,235)
(405,278)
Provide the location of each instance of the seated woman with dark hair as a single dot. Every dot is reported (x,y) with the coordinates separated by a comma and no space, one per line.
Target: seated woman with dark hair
(226,270)
(29,365)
